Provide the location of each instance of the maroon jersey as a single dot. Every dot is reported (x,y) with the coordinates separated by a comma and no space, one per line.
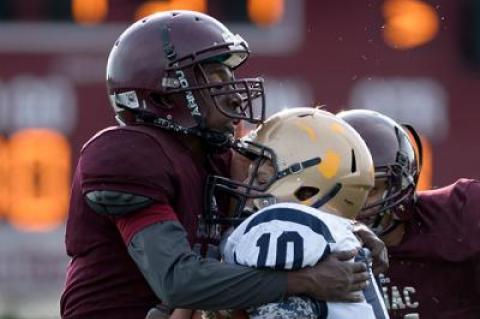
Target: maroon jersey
(432,272)
(102,280)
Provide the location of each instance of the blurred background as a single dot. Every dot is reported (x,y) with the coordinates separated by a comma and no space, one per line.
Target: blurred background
(417,61)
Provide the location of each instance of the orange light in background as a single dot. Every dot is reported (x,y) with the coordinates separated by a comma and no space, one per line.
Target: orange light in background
(194,5)
(39,180)
(426,171)
(151,7)
(425,181)
(265,12)
(89,11)
(4,177)
(409,23)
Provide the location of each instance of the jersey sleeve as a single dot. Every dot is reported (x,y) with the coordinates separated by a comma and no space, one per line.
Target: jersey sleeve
(131,162)
(127,161)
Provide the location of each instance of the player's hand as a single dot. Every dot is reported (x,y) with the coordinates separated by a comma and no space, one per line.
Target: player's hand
(376,246)
(333,279)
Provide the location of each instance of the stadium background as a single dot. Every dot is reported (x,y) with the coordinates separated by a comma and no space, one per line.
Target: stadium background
(418,61)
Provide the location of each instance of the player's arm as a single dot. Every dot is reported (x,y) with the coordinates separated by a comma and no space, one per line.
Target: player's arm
(181,278)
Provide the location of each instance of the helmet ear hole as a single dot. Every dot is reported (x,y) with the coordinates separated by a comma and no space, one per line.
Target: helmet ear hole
(354,162)
(305,192)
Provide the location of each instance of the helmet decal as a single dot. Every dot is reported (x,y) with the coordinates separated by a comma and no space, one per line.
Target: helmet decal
(191,103)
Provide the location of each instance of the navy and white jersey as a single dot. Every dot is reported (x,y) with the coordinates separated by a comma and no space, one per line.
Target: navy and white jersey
(289,236)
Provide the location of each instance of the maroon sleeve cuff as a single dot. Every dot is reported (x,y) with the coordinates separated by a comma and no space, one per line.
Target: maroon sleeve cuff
(132,224)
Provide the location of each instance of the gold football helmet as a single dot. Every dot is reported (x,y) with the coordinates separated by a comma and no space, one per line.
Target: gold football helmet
(307,156)
(319,161)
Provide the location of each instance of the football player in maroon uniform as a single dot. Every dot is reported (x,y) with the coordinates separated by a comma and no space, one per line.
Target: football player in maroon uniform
(133,229)
(432,236)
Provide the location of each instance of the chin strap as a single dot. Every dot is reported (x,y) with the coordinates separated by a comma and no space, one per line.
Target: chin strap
(216,142)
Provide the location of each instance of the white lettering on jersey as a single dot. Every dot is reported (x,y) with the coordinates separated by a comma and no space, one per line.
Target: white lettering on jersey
(398,298)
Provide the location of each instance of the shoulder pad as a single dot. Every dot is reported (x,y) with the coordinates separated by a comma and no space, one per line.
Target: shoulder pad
(116,203)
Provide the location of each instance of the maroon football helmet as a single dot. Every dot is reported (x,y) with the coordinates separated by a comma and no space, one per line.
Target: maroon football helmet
(161,56)
(395,162)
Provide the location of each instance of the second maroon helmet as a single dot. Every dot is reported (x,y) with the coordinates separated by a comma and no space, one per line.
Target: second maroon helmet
(395,162)
(162,55)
